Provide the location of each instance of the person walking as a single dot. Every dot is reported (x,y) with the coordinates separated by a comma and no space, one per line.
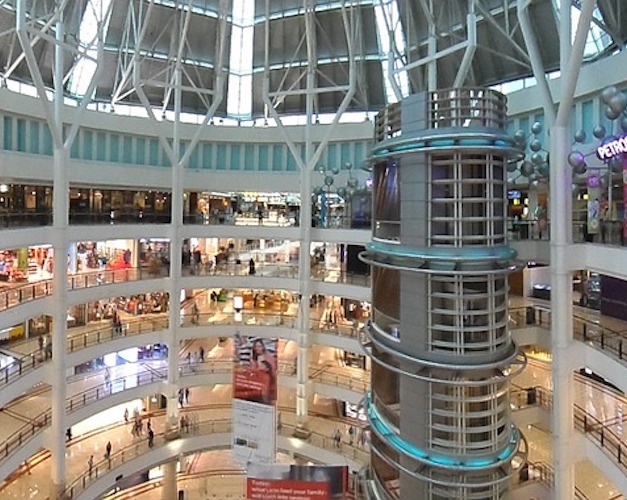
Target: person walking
(151,439)
(126,415)
(351,435)
(108,450)
(90,464)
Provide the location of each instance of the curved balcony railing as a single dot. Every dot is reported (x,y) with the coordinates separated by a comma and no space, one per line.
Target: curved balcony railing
(150,375)
(20,367)
(277,220)
(317,373)
(544,473)
(18,293)
(44,218)
(522,317)
(258,318)
(25,219)
(118,217)
(600,432)
(610,231)
(204,427)
(105,333)
(101,334)
(603,436)
(93,394)
(233,269)
(25,433)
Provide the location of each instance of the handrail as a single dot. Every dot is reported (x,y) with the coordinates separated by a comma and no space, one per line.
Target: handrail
(88,396)
(133,450)
(16,440)
(15,295)
(152,484)
(284,367)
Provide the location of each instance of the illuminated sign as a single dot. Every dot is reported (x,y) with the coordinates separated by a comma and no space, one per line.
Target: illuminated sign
(612,148)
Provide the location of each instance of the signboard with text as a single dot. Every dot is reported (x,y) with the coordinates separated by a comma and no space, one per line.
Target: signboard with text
(297,482)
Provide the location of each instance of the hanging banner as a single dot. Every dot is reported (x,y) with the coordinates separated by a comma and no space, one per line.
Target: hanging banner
(254,399)
(594,193)
(625,199)
(297,482)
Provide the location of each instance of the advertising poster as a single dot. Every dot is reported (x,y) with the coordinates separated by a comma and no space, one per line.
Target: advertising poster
(624,198)
(594,206)
(254,399)
(297,482)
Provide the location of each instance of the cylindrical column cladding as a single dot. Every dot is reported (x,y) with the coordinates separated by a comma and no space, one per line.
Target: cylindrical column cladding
(441,350)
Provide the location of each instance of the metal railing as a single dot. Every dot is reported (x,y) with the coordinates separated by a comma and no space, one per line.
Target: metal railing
(206,427)
(18,294)
(93,394)
(20,437)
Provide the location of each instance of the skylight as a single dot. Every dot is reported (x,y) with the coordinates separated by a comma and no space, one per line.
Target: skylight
(239,98)
(85,67)
(390,37)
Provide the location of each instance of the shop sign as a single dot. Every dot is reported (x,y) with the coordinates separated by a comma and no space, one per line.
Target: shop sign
(610,149)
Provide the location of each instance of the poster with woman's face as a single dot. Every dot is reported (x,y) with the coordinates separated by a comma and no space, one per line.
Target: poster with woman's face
(255,370)
(254,399)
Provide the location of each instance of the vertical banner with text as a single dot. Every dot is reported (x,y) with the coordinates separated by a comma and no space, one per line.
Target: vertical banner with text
(254,399)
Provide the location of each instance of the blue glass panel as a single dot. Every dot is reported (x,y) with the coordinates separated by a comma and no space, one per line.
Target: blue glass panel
(263,157)
(207,153)
(193,158)
(331,155)
(114,148)
(345,154)
(21,135)
(221,157)
(278,158)
(47,140)
(291,162)
(34,137)
(127,153)
(249,157)
(88,145)
(153,154)
(8,133)
(586,119)
(101,146)
(141,150)
(235,157)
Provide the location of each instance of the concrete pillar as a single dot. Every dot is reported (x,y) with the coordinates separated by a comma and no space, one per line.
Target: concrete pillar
(169,490)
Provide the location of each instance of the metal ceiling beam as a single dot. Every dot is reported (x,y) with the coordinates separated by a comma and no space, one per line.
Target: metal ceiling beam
(464,67)
(537,66)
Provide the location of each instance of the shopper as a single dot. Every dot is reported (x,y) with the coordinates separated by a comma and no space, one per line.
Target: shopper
(90,464)
(108,450)
(151,438)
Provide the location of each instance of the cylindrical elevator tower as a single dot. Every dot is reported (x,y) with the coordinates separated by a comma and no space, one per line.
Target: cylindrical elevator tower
(439,341)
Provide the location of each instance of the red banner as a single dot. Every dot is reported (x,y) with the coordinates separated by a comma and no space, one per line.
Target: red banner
(285,489)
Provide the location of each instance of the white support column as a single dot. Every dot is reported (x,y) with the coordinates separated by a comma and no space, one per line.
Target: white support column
(304,263)
(169,491)
(561,314)
(60,202)
(176,204)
